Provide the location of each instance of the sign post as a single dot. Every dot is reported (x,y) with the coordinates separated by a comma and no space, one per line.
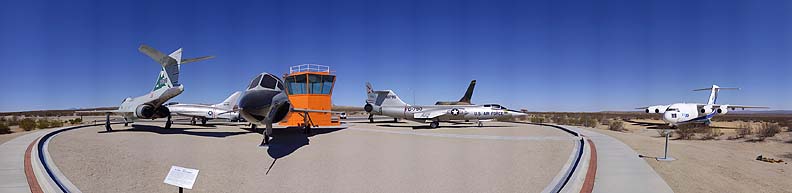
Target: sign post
(181,177)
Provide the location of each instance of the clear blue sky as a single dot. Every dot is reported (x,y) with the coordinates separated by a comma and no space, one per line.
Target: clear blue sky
(539,55)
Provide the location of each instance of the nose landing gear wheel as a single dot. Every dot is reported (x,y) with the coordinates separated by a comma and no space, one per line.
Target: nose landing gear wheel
(168,123)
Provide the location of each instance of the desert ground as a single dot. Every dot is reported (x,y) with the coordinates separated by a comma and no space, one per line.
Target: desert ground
(716,165)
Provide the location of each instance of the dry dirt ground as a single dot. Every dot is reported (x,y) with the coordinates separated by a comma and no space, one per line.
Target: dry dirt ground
(720,165)
(379,157)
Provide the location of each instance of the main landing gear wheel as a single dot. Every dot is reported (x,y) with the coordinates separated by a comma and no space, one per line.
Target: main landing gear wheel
(168,123)
(480,124)
(395,120)
(203,121)
(192,121)
(434,124)
(107,123)
(371,118)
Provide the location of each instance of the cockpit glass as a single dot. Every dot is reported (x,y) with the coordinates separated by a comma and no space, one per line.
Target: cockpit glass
(269,81)
(254,82)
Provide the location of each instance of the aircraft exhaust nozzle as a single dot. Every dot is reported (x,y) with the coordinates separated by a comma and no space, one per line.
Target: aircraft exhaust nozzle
(368,108)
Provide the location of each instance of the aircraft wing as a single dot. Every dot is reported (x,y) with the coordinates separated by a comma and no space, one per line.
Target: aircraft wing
(430,114)
(736,106)
(97,111)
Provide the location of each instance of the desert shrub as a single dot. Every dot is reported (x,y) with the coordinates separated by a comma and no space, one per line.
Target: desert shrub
(505,119)
(686,131)
(536,119)
(616,125)
(767,130)
(14,120)
(606,121)
(744,129)
(56,123)
(663,132)
(4,129)
(75,121)
(711,133)
(27,124)
(42,124)
(589,122)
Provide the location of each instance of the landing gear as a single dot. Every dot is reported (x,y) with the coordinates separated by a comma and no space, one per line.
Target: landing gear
(434,124)
(395,120)
(126,122)
(203,121)
(168,123)
(192,121)
(371,118)
(267,132)
(307,129)
(480,124)
(107,122)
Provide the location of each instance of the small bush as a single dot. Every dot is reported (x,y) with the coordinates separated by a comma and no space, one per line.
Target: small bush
(536,119)
(768,130)
(42,124)
(606,121)
(589,122)
(4,129)
(686,132)
(711,133)
(75,121)
(14,120)
(27,124)
(743,130)
(56,123)
(616,125)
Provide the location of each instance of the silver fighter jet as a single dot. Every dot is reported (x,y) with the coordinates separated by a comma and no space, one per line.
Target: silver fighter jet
(202,112)
(385,102)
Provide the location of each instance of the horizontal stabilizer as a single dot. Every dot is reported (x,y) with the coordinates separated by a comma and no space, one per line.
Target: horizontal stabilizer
(189,60)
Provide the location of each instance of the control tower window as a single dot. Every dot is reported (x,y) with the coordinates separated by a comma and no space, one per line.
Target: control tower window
(269,81)
(321,84)
(296,84)
(255,82)
(315,82)
(327,84)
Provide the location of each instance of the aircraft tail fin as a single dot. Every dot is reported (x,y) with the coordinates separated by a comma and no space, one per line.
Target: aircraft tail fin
(371,97)
(229,102)
(169,75)
(713,98)
(388,98)
(468,93)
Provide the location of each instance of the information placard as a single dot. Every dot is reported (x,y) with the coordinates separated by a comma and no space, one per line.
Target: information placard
(181,177)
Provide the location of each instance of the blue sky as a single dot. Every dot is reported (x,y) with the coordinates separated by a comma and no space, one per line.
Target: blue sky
(539,55)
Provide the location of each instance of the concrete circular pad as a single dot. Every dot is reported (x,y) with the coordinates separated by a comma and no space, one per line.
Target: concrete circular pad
(376,157)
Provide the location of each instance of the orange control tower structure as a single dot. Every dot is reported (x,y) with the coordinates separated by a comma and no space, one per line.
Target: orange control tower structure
(310,86)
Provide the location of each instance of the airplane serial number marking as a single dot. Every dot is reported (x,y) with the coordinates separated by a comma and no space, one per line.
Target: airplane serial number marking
(411,109)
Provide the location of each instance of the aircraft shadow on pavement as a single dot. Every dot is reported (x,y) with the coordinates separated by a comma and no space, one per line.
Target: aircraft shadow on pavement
(441,126)
(176,131)
(286,141)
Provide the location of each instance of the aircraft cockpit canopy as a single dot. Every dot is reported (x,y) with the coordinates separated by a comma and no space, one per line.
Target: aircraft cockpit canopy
(266,81)
(495,106)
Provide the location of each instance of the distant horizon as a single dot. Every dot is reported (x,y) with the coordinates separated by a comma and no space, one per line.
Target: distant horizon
(554,56)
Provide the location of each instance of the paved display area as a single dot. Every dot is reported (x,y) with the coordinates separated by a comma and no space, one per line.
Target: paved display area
(365,157)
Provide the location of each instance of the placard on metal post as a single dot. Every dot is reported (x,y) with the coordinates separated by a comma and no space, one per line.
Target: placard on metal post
(181,177)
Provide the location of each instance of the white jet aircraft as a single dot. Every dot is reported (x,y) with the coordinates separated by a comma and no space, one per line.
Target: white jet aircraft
(149,106)
(385,102)
(223,110)
(683,113)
